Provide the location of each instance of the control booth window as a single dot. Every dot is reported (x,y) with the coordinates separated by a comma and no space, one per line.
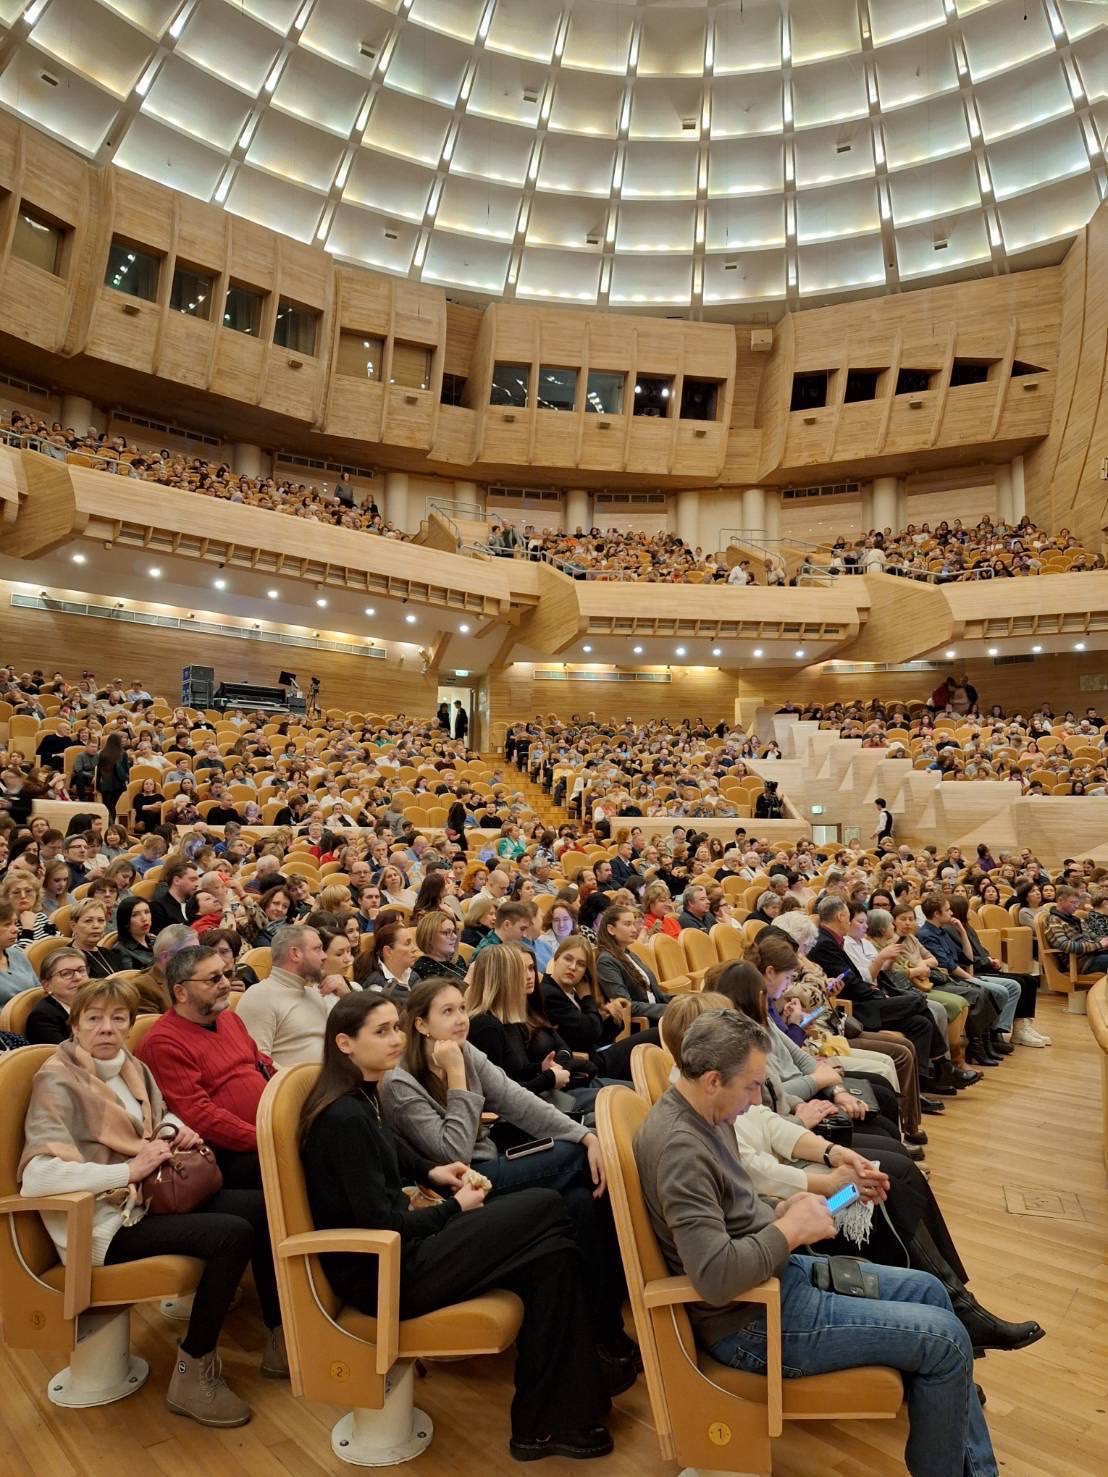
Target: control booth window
(359,355)
(242,312)
(699,399)
(133,271)
(653,397)
(40,241)
(509,385)
(296,327)
(557,388)
(191,292)
(604,392)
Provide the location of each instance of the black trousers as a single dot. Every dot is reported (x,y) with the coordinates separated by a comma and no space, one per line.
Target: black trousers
(909,1015)
(615,1060)
(225,1234)
(240,1169)
(522,1242)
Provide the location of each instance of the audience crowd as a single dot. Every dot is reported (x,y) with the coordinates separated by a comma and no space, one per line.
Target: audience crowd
(991,549)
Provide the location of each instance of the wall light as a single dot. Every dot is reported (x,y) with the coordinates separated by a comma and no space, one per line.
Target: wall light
(369,610)
(220,584)
(1036,650)
(757,651)
(949,655)
(717,650)
(637,650)
(464,629)
(78,558)
(272,594)
(586,649)
(679,651)
(1079,646)
(410,619)
(154,572)
(799,651)
(994,650)
(322,602)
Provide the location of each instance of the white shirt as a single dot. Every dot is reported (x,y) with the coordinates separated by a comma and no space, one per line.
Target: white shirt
(738,576)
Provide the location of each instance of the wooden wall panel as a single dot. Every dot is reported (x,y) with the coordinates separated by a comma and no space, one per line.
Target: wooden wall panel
(462,327)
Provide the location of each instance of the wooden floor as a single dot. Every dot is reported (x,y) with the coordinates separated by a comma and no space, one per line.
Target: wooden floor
(1016,1163)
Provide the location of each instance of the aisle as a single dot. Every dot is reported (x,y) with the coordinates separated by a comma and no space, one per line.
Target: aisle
(1016,1165)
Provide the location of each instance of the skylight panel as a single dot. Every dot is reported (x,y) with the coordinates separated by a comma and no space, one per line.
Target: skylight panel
(844,210)
(826,29)
(428,66)
(587,103)
(1004,35)
(230,45)
(466,262)
(277,204)
(754,276)
(918,68)
(178,89)
(492,150)
(151,16)
(526,30)
(355,39)
(651,279)
(155,151)
(378,241)
(1023,98)
(659,169)
(581,166)
(459,18)
(672,43)
(940,247)
(509,88)
(928,190)
(1037,156)
(295,150)
(655,227)
(746,167)
(753,223)
(558,276)
(76,111)
(891,20)
(930,130)
(837,266)
(94,42)
(479,208)
(320,92)
(404,126)
(829,92)
(391,186)
(666,108)
(1048,214)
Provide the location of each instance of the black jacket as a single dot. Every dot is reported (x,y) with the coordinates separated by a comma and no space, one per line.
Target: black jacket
(580,1025)
(636,982)
(702,925)
(47,1024)
(515,1051)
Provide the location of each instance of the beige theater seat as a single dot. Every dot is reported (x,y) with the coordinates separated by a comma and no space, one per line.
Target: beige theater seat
(650,1069)
(708,1416)
(14,1015)
(337,1354)
(1062,975)
(75,1309)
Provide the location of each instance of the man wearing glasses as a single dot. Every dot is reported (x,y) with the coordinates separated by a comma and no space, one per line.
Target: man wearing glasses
(207,1065)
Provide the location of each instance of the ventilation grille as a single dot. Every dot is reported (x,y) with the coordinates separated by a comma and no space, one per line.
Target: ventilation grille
(183,623)
(166,430)
(630,499)
(829,489)
(839,667)
(528,497)
(557,675)
(290,459)
(17,384)
(1010,661)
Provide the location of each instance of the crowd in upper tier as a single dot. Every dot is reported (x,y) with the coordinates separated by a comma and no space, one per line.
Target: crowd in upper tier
(990,549)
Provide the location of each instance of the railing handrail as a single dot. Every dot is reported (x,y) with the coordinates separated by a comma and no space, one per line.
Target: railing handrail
(27,441)
(451,508)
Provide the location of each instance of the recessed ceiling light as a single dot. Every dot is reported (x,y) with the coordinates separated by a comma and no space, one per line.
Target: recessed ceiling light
(154,572)
(273,594)
(464,629)
(78,558)
(799,651)
(680,651)
(949,655)
(410,619)
(586,648)
(717,650)
(637,650)
(369,610)
(1036,649)
(322,602)
(757,651)
(994,651)
(220,584)
(1079,646)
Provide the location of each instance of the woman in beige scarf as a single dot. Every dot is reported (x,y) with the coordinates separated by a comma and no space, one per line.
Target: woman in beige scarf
(97,1123)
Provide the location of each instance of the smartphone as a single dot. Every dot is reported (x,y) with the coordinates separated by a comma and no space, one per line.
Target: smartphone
(834,986)
(533,1146)
(840,1199)
(813,1015)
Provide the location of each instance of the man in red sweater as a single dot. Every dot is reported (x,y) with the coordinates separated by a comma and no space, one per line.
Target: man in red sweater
(205,1062)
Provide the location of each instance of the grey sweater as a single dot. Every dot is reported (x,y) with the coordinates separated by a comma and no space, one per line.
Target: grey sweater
(710,1224)
(456,1131)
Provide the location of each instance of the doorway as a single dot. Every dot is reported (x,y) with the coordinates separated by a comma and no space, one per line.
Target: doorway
(449,696)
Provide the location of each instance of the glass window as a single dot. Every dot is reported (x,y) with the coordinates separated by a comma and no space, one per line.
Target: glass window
(557,388)
(653,396)
(360,355)
(295,328)
(604,393)
(913,381)
(243,310)
(809,390)
(699,399)
(453,389)
(39,241)
(191,292)
(411,366)
(509,385)
(132,271)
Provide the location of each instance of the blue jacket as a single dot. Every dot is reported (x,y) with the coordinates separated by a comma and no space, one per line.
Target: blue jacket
(938,942)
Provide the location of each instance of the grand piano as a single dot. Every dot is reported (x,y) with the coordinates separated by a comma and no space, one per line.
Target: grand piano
(254,698)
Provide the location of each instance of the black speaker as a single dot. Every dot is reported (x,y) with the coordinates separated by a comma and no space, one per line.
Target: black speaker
(197,686)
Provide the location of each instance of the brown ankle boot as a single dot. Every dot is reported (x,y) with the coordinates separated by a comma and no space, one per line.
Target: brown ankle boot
(197,1389)
(275,1359)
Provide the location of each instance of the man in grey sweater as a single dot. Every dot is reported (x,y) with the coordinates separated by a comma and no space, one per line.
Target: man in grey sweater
(713,1228)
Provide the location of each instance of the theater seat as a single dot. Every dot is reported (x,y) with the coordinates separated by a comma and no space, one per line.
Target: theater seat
(339,1355)
(75,1309)
(1062,974)
(708,1416)
(650,1069)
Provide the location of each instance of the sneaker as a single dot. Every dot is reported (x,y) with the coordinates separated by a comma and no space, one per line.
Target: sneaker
(197,1389)
(579,1446)
(1024,1033)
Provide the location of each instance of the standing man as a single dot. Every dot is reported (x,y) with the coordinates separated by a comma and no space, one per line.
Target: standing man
(461,720)
(884,831)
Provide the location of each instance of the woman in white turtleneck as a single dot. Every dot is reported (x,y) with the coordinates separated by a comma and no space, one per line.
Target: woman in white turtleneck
(97,1122)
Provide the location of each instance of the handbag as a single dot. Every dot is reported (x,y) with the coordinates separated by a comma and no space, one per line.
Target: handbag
(181,1183)
(837,1128)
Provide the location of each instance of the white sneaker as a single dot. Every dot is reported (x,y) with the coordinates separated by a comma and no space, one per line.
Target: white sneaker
(1025,1034)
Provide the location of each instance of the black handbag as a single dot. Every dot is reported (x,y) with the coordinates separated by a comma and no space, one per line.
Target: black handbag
(837,1128)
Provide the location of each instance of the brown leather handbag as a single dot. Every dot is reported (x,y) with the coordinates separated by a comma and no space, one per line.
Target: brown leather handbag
(181,1183)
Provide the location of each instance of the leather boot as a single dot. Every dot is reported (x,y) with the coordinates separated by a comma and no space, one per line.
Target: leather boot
(978,1052)
(986,1331)
(197,1389)
(998,1044)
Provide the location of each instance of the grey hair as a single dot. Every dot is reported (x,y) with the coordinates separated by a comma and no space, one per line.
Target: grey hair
(830,907)
(172,939)
(800,927)
(878,922)
(721,1041)
(690,891)
(292,936)
(769,896)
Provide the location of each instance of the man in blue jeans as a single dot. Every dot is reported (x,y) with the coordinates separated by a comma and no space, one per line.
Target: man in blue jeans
(714,1229)
(936,937)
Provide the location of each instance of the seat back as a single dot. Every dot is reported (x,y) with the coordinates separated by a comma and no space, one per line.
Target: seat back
(996,917)
(30,1310)
(700,951)
(650,1069)
(1057,977)
(260,960)
(137,1033)
(14,1015)
(728,941)
(669,960)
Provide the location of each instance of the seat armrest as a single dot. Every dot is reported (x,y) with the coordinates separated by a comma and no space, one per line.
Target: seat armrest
(385,1246)
(77,1206)
(665,1292)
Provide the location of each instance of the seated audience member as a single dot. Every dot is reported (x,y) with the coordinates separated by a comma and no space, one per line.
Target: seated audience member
(997,999)
(513,924)
(575,1006)
(695,910)
(23,891)
(286,1012)
(622,974)
(97,1121)
(16,973)
(151,986)
(62,974)
(205,1063)
(479,917)
(504,1024)
(134,944)
(355,1167)
(269,914)
(434,1100)
(151,854)
(1022,989)
(436,937)
(388,966)
(713,1228)
(177,887)
(658,912)
(1065,935)
(88,922)
(561,922)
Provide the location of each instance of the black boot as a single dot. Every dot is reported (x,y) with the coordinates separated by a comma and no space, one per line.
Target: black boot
(985,1330)
(998,1044)
(978,1052)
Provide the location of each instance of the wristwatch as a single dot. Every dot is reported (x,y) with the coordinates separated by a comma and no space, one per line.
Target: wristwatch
(827,1156)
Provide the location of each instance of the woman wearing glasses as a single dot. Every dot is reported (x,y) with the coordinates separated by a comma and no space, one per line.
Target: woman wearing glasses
(62,974)
(436,937)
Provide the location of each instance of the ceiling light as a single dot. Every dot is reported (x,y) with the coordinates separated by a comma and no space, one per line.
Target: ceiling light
(464,629)
(78,558)
(994,651)
(637,650)
(1036,649)
(322,602)
(272,594)
(586,648)
(949,655)
(154,572)
(757,651)
(1079,646)
(220,584)
(799,651)
(410,619)
(717,650)
(679,651)
(369,610)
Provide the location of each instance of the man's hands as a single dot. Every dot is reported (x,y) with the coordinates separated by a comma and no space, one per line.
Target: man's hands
(804,1219)
(827,1075)
(448,1176)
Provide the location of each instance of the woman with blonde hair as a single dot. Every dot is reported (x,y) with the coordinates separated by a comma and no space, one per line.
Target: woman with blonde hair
(88,922)
(333,899)
(23,890)
(506,1024)
(478,920)
(658,913)
(436,937)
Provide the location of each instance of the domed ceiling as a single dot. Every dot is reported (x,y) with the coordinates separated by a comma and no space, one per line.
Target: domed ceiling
(726,158)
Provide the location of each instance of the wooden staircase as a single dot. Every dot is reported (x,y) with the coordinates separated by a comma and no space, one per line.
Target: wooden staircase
(536,797)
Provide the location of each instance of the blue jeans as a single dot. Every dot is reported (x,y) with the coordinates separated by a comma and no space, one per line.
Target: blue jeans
(910,1328)
(554,1169)
(1005,993)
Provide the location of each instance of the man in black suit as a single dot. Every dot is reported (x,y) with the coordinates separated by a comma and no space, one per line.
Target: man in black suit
(623,864)
(461,720)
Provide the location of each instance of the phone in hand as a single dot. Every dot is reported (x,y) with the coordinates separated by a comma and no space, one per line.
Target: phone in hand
(532,1146)
(842,1198)
(813,1015)
(835,985)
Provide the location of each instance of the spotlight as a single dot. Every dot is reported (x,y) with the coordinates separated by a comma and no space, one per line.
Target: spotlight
(78,558)
(322,603)
(220,584)
(410,619)
(272,594)
(463,629)
(679,651)
(637,650)
(799,651)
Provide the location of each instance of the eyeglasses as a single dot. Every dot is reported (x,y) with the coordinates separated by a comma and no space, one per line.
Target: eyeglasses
(76,973)
(224,974)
